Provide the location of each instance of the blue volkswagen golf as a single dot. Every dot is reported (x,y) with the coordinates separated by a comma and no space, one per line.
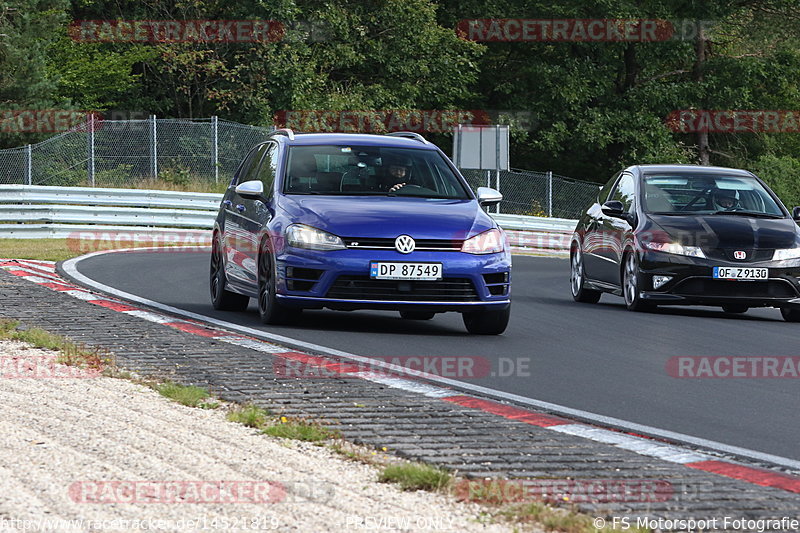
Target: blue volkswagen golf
(350,221)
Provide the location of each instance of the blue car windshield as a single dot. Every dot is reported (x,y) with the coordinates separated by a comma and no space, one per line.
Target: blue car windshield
(687,194)
(371,170)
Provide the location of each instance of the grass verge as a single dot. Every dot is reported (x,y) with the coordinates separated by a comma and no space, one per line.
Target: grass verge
(416,476)
(250,415)
(63,249)
(70,353)
(300,429)
(188,395)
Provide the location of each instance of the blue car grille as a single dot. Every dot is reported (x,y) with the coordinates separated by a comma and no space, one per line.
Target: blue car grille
(365,288)
(438,245)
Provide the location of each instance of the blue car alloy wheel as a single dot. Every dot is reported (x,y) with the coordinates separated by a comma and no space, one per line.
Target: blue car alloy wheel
(350,221)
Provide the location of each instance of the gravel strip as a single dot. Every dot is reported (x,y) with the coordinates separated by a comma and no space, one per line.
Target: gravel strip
(63,441)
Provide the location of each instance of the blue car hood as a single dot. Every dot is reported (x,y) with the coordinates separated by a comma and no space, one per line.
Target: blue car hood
(388,217)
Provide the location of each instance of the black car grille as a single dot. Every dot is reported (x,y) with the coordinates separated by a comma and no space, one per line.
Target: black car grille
(365,288)
(739,289)
(388,244)
(727,254)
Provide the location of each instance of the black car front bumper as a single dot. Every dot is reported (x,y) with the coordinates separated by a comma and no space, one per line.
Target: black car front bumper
(692,282)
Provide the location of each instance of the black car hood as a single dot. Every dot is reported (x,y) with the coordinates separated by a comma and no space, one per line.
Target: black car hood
(728,231)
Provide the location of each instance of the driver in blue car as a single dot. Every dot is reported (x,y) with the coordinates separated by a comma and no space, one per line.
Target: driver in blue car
(397,175)
(725,199)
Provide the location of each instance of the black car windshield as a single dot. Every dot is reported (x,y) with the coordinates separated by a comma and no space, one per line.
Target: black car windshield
(724,194)
(371,170)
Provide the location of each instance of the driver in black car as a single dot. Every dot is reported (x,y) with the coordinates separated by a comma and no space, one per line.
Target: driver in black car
(725,199)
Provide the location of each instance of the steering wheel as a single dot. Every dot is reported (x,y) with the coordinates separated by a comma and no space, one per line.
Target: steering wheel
(695,199)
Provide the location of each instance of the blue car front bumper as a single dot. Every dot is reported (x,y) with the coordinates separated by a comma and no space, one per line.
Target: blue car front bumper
(341,280)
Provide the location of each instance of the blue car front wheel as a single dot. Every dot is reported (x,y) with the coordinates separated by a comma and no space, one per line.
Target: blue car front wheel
(487,321)
(269,309)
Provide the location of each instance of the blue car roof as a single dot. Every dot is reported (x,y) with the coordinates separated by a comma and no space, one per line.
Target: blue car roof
(301,139)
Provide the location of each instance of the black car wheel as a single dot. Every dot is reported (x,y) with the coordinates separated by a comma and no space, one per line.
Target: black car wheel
(487,322)
(269,309)
(790,315)
(577,280)
(221,298)
(735,308)
(631,284)
(417,315)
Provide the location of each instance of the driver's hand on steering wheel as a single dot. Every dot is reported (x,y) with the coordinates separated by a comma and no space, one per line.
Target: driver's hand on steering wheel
(396,187)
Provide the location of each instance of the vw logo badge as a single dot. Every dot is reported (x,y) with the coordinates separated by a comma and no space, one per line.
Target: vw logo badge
(404,244)
(738,254)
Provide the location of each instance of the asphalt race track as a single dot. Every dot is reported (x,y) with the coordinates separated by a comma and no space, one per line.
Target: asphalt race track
(598,358)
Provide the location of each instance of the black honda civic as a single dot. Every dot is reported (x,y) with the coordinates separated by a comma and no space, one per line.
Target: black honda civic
(688,235)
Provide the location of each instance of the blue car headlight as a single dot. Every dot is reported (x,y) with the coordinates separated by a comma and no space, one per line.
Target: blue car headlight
(302,236)
(488,242)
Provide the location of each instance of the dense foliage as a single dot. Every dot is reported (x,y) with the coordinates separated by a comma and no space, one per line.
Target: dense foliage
(596,106)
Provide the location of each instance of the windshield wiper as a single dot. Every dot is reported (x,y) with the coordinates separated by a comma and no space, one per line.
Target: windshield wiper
(747,214)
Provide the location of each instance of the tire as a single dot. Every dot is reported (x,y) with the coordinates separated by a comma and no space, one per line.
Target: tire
(221,298)
(790,315)
(735,309)
(269,309)
(417,315)
(487,322)
(631,284)
(577,280)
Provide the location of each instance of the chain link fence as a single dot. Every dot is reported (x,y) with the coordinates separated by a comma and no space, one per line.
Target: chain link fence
(531,193)
(205,153)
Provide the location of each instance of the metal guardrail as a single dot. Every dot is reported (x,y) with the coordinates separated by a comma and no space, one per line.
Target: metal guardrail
(125,215)
(37,212)
(36,194)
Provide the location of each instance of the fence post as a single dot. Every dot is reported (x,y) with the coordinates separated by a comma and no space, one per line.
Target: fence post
(29,165)
(497,187)
(91,150)
(497,162)
(215,147)
(153,148)
(550,193)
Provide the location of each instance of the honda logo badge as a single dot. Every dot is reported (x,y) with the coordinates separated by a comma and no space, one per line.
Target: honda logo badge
(738,254)
(404,244)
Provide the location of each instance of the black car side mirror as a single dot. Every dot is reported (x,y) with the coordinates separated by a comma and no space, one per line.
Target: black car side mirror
(613,208)
(796,213)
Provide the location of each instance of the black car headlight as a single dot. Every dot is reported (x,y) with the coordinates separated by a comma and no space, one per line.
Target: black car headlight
(782,254)
(675,248)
